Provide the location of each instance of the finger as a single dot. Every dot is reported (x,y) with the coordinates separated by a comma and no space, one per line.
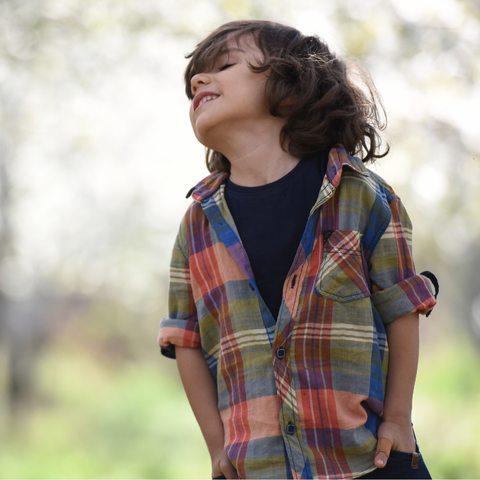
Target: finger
(229,471)
(384,446)
(217,472)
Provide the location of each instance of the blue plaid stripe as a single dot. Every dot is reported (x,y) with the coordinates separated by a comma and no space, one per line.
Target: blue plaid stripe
(315,408)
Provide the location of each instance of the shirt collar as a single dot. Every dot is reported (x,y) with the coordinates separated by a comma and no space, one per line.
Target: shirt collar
(208,186)
(337,160)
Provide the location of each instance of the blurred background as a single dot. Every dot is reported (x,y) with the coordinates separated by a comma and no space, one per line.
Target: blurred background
(96,156)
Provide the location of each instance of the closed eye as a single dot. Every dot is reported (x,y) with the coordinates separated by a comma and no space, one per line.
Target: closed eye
(226,66)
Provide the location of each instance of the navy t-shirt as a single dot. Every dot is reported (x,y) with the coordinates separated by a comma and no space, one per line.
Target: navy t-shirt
(271,220)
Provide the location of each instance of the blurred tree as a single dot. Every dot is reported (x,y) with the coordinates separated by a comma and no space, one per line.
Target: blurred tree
(48,49)
(94,160)
(426,59)
(72,225)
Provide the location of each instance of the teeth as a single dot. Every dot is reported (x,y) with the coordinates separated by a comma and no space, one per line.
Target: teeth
(207,98)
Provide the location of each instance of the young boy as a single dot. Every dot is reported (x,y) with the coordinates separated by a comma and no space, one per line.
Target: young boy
(292,269)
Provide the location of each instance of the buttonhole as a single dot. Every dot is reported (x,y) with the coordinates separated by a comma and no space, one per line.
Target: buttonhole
(326,236)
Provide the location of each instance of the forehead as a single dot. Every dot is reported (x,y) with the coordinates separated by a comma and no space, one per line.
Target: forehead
(245,44)
(232,44)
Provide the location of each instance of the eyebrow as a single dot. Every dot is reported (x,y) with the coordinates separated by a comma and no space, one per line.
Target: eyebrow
(227,50)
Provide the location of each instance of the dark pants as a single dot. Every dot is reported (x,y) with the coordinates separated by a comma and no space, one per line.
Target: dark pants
(399,465)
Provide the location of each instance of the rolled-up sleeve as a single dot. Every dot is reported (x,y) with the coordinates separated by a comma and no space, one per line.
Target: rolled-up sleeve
(181,326)
(400,289)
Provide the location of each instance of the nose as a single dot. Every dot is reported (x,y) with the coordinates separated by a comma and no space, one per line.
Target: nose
(197,80)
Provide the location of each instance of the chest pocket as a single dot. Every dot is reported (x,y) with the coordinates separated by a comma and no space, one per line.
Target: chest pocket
(342,276)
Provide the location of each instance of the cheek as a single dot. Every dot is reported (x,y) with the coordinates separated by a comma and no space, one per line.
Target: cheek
(256,93)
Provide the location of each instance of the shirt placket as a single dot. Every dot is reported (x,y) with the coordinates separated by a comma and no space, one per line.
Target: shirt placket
(289,420)
(289,312)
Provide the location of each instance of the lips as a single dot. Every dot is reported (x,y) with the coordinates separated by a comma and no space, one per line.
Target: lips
(202,98)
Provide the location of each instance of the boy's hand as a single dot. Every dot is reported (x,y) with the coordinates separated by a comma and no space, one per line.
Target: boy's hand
(393,435)
(221,465)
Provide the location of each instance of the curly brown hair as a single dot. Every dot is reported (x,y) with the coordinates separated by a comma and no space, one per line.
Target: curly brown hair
(332,103)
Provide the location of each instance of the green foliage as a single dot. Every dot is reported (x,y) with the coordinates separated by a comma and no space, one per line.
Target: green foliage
(96,421)
(446,408)
(89,200)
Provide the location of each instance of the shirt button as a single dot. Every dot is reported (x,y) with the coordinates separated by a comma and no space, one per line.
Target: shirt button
(281,353)
(290,428)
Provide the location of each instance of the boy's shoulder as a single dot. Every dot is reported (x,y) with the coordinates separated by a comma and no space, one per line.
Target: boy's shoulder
(371,181)
(355,177)
(203,196)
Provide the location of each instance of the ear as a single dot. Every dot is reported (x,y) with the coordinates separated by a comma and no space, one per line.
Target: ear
(288,102)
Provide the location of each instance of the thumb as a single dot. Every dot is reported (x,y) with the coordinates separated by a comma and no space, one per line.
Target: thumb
(384,445)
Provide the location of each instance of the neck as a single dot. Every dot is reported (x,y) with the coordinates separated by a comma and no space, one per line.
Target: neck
(261,166)
(258,159)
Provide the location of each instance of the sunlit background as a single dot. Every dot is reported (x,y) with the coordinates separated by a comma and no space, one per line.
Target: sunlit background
(96,156)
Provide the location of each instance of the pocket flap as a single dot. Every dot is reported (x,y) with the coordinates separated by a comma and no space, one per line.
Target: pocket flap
(342,276)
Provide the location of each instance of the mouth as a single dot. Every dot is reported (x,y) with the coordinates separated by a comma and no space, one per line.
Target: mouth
(202,98)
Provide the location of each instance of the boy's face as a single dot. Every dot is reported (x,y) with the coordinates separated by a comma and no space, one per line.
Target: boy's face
(229,99)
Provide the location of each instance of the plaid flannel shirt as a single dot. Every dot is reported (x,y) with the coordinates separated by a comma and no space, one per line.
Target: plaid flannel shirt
(300,395)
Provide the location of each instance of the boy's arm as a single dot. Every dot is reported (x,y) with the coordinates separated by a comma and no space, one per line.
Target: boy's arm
(403,341)
(397,289)
(202,394)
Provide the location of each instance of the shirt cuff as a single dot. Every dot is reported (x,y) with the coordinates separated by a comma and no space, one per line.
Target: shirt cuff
(183,333)
(415,294)
(435,284)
